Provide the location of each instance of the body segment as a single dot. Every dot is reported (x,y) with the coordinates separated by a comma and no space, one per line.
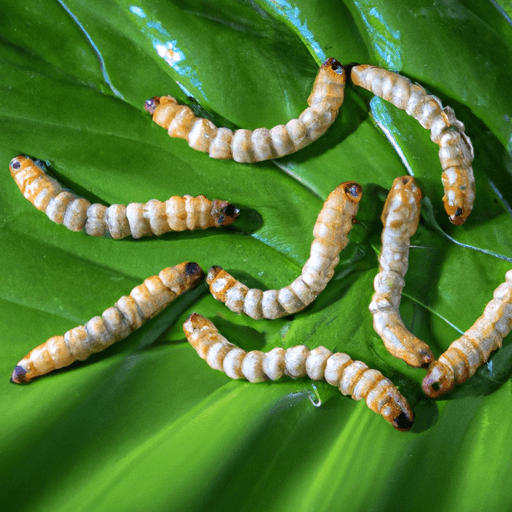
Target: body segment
(331,236)
(466,354)
(261,144)
(400,220)
(118,220)
(353,378)
(115,323)
(455,148)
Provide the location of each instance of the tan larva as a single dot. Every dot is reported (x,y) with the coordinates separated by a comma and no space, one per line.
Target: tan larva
(400,218)
(474,347)
(456,151)
(116,323)
(118,220)
(353,378)
(331,236)
(261,144)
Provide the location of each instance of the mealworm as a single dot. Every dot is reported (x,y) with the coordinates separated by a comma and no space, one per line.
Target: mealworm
(331,230)
(400,218)
(473,348)
(115,323)
(118,220)
(456,151)
(338,369)
(261,144)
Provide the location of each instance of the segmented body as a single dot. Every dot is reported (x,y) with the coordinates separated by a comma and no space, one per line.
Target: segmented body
(466,354)
(456,151)
(400,219)
(331,230)
(116,323)
(261,144)
(117,221)
(353,378)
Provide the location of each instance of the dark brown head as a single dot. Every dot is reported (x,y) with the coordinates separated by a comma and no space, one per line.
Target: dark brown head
(19,375)
(212,274)
(403,422)
(224,213)
(353,190)
(151,104)
(334,65)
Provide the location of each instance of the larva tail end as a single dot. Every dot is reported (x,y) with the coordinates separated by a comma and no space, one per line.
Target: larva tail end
(438,381)
(195,323)
(353,190)
(404,421)
(194,270)
(213,273)
(335,65)
(151,104)
(19,375)
(224,213)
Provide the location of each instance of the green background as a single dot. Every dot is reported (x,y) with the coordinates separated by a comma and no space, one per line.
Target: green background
(147,425)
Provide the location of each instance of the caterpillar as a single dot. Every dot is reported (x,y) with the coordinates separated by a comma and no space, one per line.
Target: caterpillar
(338,369)
(331,236)
(261,144)
(473,348)
(117,221)
(400,218)
(456,151)
(115,323)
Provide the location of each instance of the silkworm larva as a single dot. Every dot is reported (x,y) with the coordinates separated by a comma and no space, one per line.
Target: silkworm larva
(400,218)
(474,347)
(351,377)
(456,151)
(117,221)
(331,236)
(115,323)
(261,144)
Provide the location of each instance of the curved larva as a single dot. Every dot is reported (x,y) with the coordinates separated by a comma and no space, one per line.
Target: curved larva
(456,151)
(474,347)
(351,377)
(400,218)
(331,236)
(260,144)
(115,323)
(117,221)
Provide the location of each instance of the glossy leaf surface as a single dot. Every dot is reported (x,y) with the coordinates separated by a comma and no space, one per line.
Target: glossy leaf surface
(147,425)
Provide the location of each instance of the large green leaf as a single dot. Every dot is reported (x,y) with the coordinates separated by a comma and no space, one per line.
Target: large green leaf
(147,425)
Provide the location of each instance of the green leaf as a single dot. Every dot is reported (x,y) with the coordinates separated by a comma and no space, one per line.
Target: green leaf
(146,424)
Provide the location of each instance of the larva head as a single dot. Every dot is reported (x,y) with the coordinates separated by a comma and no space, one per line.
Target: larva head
(20,375)
(224,213)
(193,271)
(151,104)
(353,191)
(404,421)
(439,380)
(17,163)
(457,215)
(335,70)
(396,410)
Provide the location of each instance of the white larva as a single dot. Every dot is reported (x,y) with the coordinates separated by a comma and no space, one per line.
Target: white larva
(400,219)
(353,378)
(331,236)
(116,323)
(261,144)
(466,354)
(456,151)
(117,221)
